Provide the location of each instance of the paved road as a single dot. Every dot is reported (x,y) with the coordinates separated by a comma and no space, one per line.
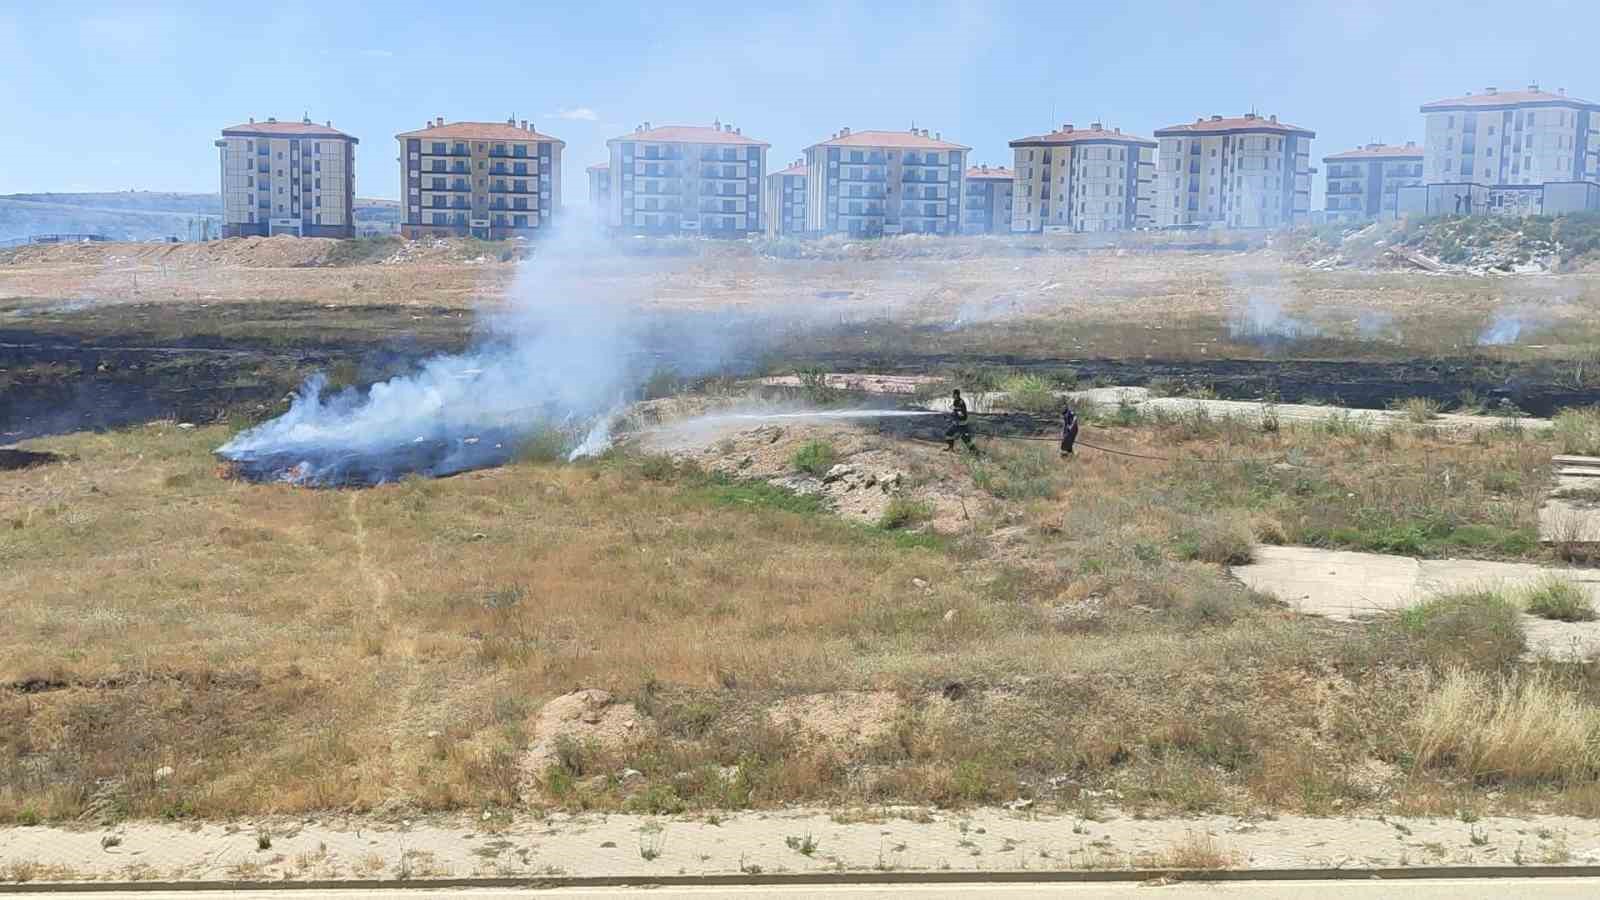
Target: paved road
(1417,889)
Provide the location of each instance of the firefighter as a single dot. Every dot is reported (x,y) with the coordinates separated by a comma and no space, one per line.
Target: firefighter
(958,424)
(1069,430)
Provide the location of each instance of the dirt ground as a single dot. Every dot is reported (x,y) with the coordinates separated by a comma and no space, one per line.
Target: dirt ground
(705,620)
(1258,297)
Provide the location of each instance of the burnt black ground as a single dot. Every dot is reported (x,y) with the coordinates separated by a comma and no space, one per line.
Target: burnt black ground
(112,367)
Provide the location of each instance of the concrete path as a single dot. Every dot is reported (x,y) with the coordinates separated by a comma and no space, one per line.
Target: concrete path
(1250,410)
(1346,585)
(1547,888)
(590,845)
(1571,514)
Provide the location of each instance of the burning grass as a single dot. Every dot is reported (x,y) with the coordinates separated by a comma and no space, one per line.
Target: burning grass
(269,649)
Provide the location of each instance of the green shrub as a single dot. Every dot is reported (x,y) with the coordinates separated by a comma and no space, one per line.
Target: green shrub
(1554,597)
(1222,540)
(903,512)
(1016,473)
(1577,431)
(657,467)
(814,383)
(814,458)
(661,383)
(1030,393)
(1476,627)
(1417,409)
(546,445)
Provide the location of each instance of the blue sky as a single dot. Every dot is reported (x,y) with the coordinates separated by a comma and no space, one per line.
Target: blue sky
(128,95)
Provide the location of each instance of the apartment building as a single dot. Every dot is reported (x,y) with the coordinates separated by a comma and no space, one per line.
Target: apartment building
(869,183)
(1365,183)
(287,178)
(686,179)
(1248,171)
(986,200)
(1076,179)
(599,186)
(491,180)
(1511,153)
(785,203)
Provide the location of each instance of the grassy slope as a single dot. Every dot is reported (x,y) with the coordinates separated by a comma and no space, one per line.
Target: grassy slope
(288,650)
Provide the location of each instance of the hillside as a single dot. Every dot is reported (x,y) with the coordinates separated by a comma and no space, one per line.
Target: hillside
(142,215)
(1457,244)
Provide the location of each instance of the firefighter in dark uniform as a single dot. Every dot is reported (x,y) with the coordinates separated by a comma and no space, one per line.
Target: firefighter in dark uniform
(1069,430)
(958,424)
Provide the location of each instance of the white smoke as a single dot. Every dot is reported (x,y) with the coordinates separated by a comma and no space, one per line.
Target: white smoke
(1264,321)
(559,355)
(1503,328)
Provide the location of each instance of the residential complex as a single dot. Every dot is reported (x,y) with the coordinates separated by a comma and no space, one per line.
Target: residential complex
(1093,179)
(1364,183)
(1509,153)
(785,203)
(487,179)
(686,179)
(986,201)
(599,186)
(287,178)
(1244,172)
(884,182)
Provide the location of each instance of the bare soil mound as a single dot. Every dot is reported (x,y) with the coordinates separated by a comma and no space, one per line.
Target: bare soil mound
(589,718)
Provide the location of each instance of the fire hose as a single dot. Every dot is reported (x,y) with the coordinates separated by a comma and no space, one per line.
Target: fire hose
(1082,443)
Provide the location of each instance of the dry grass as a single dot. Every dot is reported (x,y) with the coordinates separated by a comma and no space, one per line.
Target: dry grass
(1198,850)
(285,650)
(1418,409)
(1578,430)
(1562,599)
(1521,729)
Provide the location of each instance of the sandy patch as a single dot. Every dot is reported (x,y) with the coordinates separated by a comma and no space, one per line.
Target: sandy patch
(845,720)
(590,717)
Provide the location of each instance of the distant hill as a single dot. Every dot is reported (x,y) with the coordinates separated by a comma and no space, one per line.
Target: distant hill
(144,215)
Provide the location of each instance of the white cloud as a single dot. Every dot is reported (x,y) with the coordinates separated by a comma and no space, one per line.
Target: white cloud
(577,113)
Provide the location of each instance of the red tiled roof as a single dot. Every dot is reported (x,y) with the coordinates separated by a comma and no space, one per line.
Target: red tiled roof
(796,169)
(1081,135)
(480,131)
(1506,98)
(1379,151)
(286,129)
(1219,124)
(900,140)
(689,134)
(999,173)
(598,167)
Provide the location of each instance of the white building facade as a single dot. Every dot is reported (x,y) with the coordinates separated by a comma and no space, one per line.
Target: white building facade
(686,179)
(1249,171)
(1365,183)
(1513,153)
(287,178)
(870,183)
(1079,180)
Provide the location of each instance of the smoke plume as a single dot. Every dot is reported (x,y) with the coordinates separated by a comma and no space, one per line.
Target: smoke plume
(558,357)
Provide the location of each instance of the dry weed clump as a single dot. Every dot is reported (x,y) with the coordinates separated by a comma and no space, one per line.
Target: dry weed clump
(1196,850)
(1562,599)
(1578,430)
(1476,628)
(1521,728)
